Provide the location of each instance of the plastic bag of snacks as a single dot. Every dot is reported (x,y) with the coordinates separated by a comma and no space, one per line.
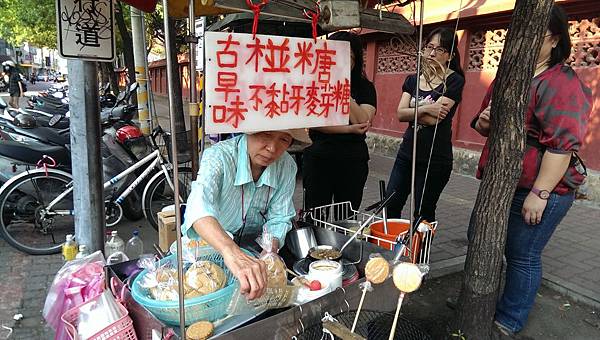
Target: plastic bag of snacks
(202,278)
(278,293)
(276,269)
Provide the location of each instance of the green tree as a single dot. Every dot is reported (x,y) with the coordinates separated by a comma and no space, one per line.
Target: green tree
(32,21)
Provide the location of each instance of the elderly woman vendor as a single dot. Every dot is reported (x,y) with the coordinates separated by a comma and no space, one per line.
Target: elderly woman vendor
(243,184)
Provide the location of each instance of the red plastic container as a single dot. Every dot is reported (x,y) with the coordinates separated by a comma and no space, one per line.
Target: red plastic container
(395,227)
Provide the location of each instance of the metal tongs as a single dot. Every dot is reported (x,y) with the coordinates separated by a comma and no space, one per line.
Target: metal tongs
(379,205)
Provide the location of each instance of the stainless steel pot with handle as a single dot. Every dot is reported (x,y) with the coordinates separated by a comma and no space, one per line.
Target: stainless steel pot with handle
(300,241)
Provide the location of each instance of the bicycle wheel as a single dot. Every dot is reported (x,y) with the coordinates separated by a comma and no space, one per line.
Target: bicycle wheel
(159,194)
(22,202)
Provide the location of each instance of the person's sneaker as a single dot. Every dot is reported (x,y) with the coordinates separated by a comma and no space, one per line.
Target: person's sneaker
(503,329)
(501,332)
(452,302)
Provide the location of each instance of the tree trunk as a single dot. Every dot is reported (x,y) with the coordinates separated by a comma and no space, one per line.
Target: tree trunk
(127,46)
(477,302)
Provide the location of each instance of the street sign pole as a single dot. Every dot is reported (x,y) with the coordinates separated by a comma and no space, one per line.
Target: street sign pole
(88,195)
(85,36)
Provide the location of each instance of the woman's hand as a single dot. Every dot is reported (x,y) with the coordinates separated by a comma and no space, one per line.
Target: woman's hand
(533,209)
(359,129)
(436,110)
(483,122)
(250,272)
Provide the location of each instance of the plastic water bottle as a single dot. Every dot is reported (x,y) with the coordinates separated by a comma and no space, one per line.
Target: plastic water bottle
(69,248)
(134,247)
(83,252)
(114,244)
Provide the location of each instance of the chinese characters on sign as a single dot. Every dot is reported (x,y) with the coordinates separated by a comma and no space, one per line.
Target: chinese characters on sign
(273,82)
(86,29)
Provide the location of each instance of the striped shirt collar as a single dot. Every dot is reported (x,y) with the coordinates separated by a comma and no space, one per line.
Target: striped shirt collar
(243,173)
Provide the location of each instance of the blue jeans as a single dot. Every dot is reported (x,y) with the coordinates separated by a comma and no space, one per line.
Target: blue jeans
(523,251)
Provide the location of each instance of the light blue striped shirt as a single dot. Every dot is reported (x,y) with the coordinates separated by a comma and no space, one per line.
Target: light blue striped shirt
(217,191)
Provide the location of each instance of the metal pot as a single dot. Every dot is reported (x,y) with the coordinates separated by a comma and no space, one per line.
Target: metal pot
(314,253)
(300,241)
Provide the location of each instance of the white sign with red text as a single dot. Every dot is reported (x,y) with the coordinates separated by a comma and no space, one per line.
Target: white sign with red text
(274,82)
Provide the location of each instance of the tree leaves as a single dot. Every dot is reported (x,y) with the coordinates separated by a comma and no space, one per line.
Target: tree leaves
(32,21)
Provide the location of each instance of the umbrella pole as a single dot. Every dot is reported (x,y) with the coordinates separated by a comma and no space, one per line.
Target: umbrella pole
(415,134)
(193,105)
(175,162)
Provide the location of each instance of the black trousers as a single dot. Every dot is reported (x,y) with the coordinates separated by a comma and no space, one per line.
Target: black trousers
(328,180)
(400,178)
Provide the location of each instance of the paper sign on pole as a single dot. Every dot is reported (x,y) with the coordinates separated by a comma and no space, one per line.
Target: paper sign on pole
(200,26)
(86,29)
(273,82)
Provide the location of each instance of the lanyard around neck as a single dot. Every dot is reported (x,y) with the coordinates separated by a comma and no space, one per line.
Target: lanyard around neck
(263,213)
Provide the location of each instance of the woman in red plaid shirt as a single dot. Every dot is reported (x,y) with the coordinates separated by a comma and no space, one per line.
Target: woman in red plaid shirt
(555,121)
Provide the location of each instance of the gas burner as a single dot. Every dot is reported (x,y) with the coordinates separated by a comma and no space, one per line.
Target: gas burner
(349,273)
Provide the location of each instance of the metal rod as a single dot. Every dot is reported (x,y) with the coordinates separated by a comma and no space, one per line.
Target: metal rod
(203,104)
(193,90)
(384,212)
(88,193)
(175,170)
(415,134)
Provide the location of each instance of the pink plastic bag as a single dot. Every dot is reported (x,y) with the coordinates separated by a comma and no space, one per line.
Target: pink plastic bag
(76,282)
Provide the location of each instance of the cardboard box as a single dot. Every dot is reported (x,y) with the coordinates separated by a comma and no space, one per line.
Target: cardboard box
(167,230)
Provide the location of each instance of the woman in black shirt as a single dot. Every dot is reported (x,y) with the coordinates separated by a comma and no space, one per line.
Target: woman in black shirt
(335,166)
(441,85)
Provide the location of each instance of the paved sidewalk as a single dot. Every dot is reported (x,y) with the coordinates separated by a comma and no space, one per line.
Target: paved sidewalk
(571,260)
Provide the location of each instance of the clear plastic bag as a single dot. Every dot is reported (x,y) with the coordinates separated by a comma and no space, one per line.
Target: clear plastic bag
(203,277)
(278,293)
(96,316)
(77,281)
(272,298)
(276,268)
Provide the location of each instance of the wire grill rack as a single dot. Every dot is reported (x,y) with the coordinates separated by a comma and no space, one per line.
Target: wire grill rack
(342,218)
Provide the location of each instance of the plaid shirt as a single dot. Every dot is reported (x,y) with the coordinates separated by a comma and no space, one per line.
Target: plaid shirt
(556,117)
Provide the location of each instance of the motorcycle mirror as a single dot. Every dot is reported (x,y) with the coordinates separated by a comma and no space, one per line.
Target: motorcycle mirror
(133,87)
(54,120)
(120,97)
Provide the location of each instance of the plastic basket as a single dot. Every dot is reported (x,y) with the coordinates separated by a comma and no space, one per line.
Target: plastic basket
(210,307)
(121,329)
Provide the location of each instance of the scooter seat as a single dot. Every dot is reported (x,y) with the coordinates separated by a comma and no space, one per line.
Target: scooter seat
(122,112)
(31,154)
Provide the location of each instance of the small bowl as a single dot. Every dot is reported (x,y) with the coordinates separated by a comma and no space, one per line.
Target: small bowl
(313,253)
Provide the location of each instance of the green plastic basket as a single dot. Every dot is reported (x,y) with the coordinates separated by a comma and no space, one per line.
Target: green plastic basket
(210,307)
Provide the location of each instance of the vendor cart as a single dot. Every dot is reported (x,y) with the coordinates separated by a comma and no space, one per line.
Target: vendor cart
(303,321)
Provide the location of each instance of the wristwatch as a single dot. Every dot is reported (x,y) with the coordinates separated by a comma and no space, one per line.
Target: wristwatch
(543,194)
